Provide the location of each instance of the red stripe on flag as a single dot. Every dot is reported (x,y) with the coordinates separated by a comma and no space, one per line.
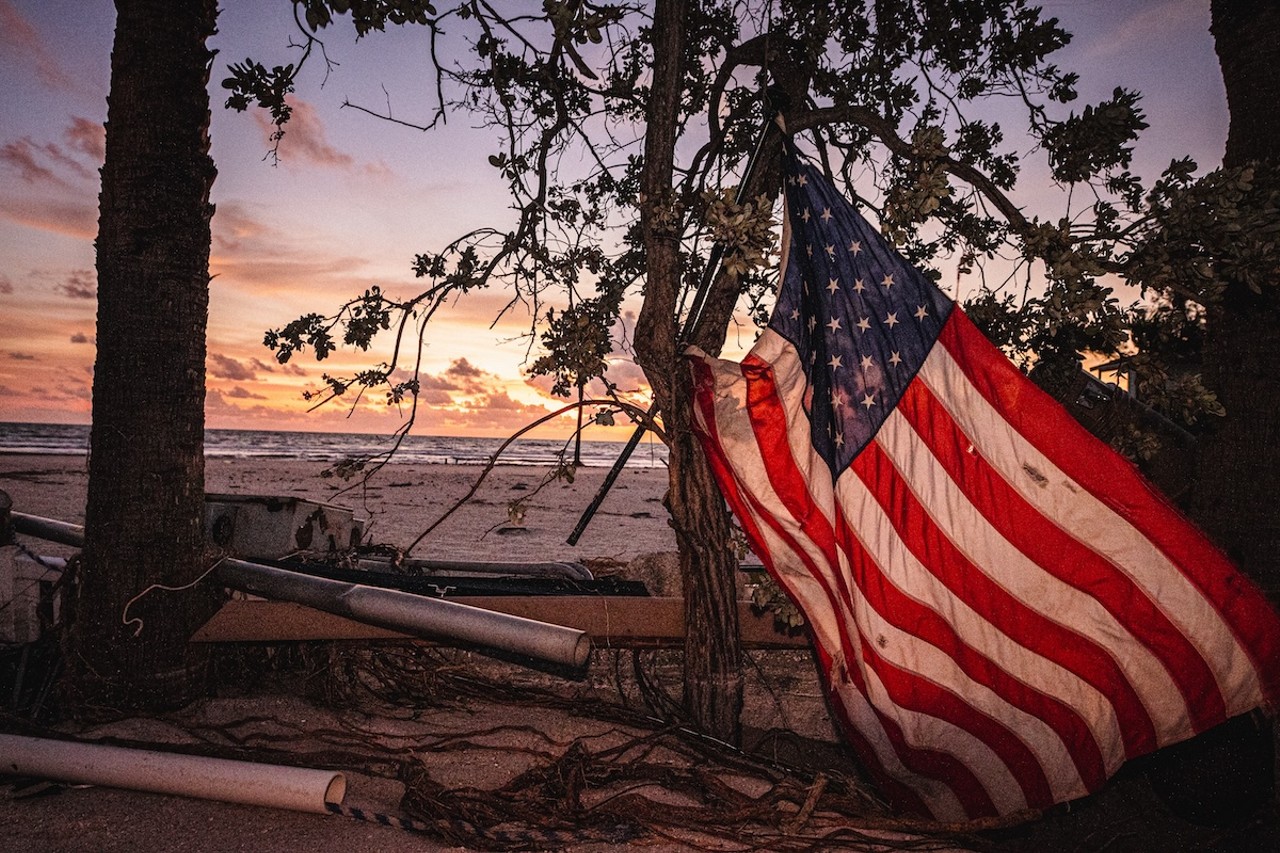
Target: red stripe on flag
(1070,562)
(742,505)
(789,484)
(1113,481)
(904,797)
(950,568)
(768,421)
(910,690)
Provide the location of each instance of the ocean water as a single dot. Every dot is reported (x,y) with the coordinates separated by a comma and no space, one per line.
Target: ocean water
(73,440)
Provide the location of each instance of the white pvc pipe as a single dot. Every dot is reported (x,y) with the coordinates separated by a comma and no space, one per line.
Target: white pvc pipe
(274,786)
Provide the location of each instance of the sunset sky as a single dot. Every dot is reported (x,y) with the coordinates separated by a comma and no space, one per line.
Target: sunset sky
(354,199)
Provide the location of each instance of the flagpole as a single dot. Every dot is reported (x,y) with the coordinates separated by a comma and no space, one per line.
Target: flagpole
(618,465)
(691,324)
(717,251)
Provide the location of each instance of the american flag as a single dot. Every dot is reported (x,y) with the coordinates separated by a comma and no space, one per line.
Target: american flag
(1004,610)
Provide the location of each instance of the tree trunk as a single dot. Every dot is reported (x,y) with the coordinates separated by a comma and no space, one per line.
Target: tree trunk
(708,565)
(1226,775)
(1238,466)
(144,519)
(712,647)
(1246,36)
(1239,463)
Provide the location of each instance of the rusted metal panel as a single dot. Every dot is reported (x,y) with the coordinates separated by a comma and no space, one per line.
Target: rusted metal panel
(611,622)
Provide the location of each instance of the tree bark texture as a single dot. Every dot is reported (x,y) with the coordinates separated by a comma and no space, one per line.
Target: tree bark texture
(145,513)
(1238,466)
(712,648)
(1246,36)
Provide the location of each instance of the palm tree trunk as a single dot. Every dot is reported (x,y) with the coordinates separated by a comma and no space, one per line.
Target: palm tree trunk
(145,513)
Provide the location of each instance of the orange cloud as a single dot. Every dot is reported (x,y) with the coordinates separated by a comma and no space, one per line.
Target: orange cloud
(234,227)
(21,156)
(54,153)
(463,368)
(48,163)
(225,367)
(87,137)
(20,40)
(62,180)
(306,142)
(239,393)
(467,374)
(427,382)
(74,218)
(255,254)
(435,397)
(81,284)
(462,399)
(71,387)
(494,414)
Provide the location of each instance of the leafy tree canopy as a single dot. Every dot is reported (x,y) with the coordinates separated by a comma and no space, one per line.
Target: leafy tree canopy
(896,100)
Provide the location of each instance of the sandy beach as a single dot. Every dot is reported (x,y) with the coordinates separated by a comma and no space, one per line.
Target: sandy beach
(629,530)
(403,499)
(480,725)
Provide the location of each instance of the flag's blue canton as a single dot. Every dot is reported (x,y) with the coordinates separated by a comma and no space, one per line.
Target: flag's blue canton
(860,316)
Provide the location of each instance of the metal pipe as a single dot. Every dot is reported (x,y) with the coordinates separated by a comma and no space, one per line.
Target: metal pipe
(413,614)
(694,317)
(607,484)
(386,608)
(62,532)
(297,788)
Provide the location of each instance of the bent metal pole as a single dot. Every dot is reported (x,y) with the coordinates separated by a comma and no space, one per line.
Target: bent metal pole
(385,608)
(413,614)
(274,786)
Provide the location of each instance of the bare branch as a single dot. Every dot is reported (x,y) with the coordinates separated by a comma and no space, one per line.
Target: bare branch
(493,459)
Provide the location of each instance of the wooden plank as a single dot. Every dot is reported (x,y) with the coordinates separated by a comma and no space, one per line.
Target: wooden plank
(610,621)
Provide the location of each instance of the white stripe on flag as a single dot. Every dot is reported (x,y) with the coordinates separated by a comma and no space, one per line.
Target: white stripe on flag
(855,616)
(1037,590)
(901,568)
(788,555)
(1102,530)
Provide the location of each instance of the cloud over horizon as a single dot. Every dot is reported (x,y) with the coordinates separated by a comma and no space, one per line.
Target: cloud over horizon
(225,367)
(80,284)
